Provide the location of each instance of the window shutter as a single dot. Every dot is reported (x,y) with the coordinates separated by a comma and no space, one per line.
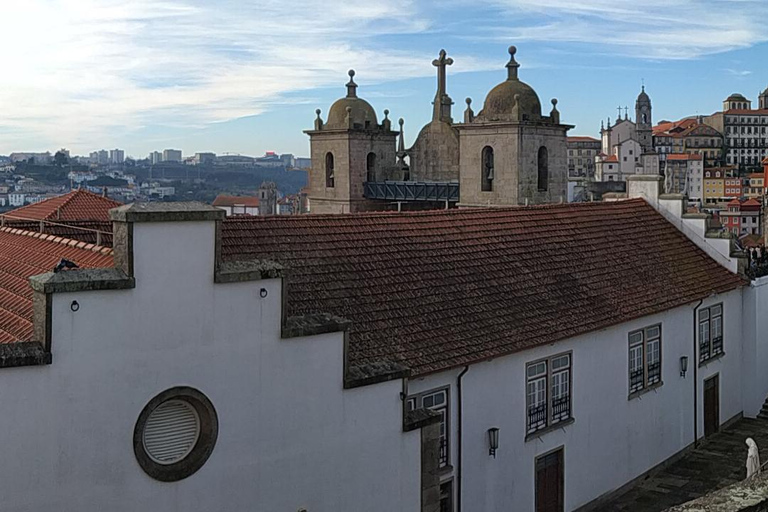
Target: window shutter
(171,431)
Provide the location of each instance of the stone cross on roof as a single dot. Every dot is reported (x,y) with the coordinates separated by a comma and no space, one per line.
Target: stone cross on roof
(441,96)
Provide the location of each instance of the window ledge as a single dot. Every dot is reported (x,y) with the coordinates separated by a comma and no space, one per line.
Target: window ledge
(711,359)
(445,470)
(547,430)
(652,387)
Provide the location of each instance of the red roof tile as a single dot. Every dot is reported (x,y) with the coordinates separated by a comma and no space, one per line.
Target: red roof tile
(683,156)
(24,254)
(581,138)
(612,158)
(224,200)
(75,205)
(441,289)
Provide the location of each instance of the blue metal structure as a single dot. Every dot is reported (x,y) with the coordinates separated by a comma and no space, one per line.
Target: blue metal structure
(412,191)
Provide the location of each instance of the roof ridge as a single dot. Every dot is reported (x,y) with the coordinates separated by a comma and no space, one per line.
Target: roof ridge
(71,194)
(438,212)
(58,239)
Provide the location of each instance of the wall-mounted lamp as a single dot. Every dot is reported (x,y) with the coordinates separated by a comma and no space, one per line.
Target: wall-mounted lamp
(263,293)
(493,441)
(74,306)
(683,365)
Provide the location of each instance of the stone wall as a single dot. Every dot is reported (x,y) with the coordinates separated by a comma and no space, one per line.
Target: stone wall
(516,150)
(435,154)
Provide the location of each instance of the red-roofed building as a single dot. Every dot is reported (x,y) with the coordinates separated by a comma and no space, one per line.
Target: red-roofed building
(237,205)
(690,136)
(387,345)
(745,130)
(77,205)
(743,217)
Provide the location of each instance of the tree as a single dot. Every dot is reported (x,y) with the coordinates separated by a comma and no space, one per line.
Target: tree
(60,159)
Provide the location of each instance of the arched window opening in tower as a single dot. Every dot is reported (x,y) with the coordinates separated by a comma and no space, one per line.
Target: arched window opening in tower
(329,179)
(487,170)
(370,166)
(543,169)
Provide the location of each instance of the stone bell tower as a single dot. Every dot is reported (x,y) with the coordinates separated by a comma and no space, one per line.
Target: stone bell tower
(644,121)
(347,150)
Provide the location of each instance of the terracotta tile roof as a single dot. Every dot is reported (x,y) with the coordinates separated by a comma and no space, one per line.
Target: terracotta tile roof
(612,158)
(756,112)
(683,156)
(24,254)
(441,289)
(582,138)
(80,230)
(225,200)
(75,205)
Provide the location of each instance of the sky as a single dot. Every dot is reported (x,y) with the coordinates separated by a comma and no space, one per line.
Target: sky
(241,76)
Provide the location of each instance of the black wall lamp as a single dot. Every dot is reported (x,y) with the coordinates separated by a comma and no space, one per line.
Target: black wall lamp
(493,441)
(683,365)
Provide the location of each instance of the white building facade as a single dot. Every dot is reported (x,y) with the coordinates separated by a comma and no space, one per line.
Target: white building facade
(276,423)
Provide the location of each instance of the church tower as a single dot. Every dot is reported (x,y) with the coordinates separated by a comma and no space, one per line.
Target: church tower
(644,121)
(762,100)
(348,150)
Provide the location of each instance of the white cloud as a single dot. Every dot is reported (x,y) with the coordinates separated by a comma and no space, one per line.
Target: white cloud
(649,29)
(80,68)
(738,73)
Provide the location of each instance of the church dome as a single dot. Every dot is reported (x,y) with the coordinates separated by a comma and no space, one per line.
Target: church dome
(736,97)
(360,110)
(502,99)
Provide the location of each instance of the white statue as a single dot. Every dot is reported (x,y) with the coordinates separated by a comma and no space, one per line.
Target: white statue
(753,459)
(668,180)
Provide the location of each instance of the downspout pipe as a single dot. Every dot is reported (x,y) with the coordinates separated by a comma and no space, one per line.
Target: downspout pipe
(458,437)
(695,363)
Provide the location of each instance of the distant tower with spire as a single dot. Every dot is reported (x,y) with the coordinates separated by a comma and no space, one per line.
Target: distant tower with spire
(644,120)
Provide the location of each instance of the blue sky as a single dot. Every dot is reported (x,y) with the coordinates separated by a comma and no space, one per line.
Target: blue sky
(246,76)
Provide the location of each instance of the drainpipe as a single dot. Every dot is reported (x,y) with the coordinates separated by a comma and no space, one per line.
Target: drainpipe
(458,438)
(695,363)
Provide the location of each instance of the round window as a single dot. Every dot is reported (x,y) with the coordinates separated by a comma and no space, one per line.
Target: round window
(175,434)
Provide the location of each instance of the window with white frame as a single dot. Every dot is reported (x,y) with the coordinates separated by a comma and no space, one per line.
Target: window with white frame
(644,358)
(548,392)
(437,401)
(710,332)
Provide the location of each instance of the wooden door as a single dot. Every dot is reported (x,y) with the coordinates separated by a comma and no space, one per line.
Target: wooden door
(711,405)
(549,482)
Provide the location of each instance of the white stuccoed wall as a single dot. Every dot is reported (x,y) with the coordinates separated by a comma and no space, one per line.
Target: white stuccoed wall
(612,439)
(755,338)
(289,435)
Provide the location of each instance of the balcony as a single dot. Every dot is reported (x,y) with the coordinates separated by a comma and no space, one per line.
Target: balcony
(412,191)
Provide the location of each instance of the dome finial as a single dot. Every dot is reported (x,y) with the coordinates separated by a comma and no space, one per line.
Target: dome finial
(351,85)
(512,65)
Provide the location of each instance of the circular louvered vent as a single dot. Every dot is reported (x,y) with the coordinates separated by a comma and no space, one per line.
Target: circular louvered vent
(175,434)
(171,431)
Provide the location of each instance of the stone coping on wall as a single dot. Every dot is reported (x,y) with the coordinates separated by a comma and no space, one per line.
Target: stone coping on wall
(419,418)
(166,212)
(80,280)
(249,270)
(26,353)
(312,324)
(372,373)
